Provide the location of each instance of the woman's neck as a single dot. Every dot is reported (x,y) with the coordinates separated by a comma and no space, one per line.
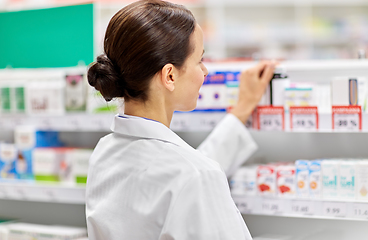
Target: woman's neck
(149,110)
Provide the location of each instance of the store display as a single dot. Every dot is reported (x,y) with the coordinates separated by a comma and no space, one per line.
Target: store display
(328,179)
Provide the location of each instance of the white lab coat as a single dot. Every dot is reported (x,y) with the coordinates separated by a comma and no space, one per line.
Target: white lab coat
(146,183)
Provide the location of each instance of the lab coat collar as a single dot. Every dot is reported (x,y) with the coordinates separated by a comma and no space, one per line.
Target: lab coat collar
(146,128)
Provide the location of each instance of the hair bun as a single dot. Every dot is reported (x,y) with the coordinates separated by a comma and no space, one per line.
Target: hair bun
(104,77)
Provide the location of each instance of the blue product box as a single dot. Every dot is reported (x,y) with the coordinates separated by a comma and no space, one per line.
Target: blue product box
(26,140)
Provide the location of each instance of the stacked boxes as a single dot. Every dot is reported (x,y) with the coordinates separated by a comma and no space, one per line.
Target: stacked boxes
(331,179)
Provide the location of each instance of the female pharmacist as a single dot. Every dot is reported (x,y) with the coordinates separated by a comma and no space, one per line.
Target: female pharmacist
(144,181)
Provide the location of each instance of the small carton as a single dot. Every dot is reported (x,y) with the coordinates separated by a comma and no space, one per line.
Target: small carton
(212,94)
(8,157)
(330,179)
(302,178)
(286,181)
(362,180)
(243,182)
(80,161)
(266,180)
(347,180)
(315,179)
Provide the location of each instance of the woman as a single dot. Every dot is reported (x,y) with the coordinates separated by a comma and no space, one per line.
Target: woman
(144,182)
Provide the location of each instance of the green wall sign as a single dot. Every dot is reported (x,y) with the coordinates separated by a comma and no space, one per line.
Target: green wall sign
(54,37)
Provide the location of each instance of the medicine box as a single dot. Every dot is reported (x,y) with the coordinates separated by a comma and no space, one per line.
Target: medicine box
(362,180)
(243,181)
(347,179)
(302,178)
(75,92)
(27,138)
(45,97)
(330,179)
(315,179)
(80,162)
(286,179)
(266,180)
(232,87)
(8,157)
(212,94)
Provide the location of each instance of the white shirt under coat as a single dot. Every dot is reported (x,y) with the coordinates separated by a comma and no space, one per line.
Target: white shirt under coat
(146,183)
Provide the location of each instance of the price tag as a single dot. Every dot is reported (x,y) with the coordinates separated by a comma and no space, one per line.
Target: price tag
(303,118)
(361,210)
(347,118)
(334,209)
(271,206)
(270,118)
(302,207)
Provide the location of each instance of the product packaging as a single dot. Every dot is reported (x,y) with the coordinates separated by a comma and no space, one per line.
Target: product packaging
(299,96)
(266,180)
(286,179)
(362,180)
(12,97)
(212,94)
(8,157)
(243,182)
(302,178)
(347,91)
(52,164)
(347,180)
(315,179)
(45,97)
(232,87)
(27,138)
(330,179)
(75,92)
(80,161)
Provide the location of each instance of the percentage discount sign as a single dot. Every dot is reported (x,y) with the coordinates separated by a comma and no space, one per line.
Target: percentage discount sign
(304,118)
(270,118)
(347,118)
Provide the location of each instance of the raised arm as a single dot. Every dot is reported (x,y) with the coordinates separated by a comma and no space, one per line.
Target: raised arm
(230,143)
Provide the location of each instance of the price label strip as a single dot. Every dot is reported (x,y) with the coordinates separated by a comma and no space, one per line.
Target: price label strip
(361,210)
(334,209)
(347,118)
(302,207)
(270,118)
(304,118)
(244,204)
(272,206)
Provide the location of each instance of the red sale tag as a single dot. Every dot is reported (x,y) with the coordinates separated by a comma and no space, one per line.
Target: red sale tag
(270,118)
(303,118)
(347,118)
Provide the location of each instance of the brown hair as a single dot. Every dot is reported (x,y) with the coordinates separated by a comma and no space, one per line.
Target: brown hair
(140,40)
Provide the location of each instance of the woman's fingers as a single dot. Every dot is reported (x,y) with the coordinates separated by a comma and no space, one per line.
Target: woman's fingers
(268,73)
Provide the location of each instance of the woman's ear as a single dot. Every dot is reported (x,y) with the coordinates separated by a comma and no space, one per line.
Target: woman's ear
(168,77)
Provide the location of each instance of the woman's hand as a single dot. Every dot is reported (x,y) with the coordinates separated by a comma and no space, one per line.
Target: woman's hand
(253,83)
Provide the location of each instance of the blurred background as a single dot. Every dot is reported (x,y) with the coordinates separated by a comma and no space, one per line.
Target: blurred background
(254,29)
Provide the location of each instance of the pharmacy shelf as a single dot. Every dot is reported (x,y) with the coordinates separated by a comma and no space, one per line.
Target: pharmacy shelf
(67,122)
(319,209)
(197,121)
(30,191)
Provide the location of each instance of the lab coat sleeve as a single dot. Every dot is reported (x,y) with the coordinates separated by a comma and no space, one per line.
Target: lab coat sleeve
(204,210)
(230,144)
